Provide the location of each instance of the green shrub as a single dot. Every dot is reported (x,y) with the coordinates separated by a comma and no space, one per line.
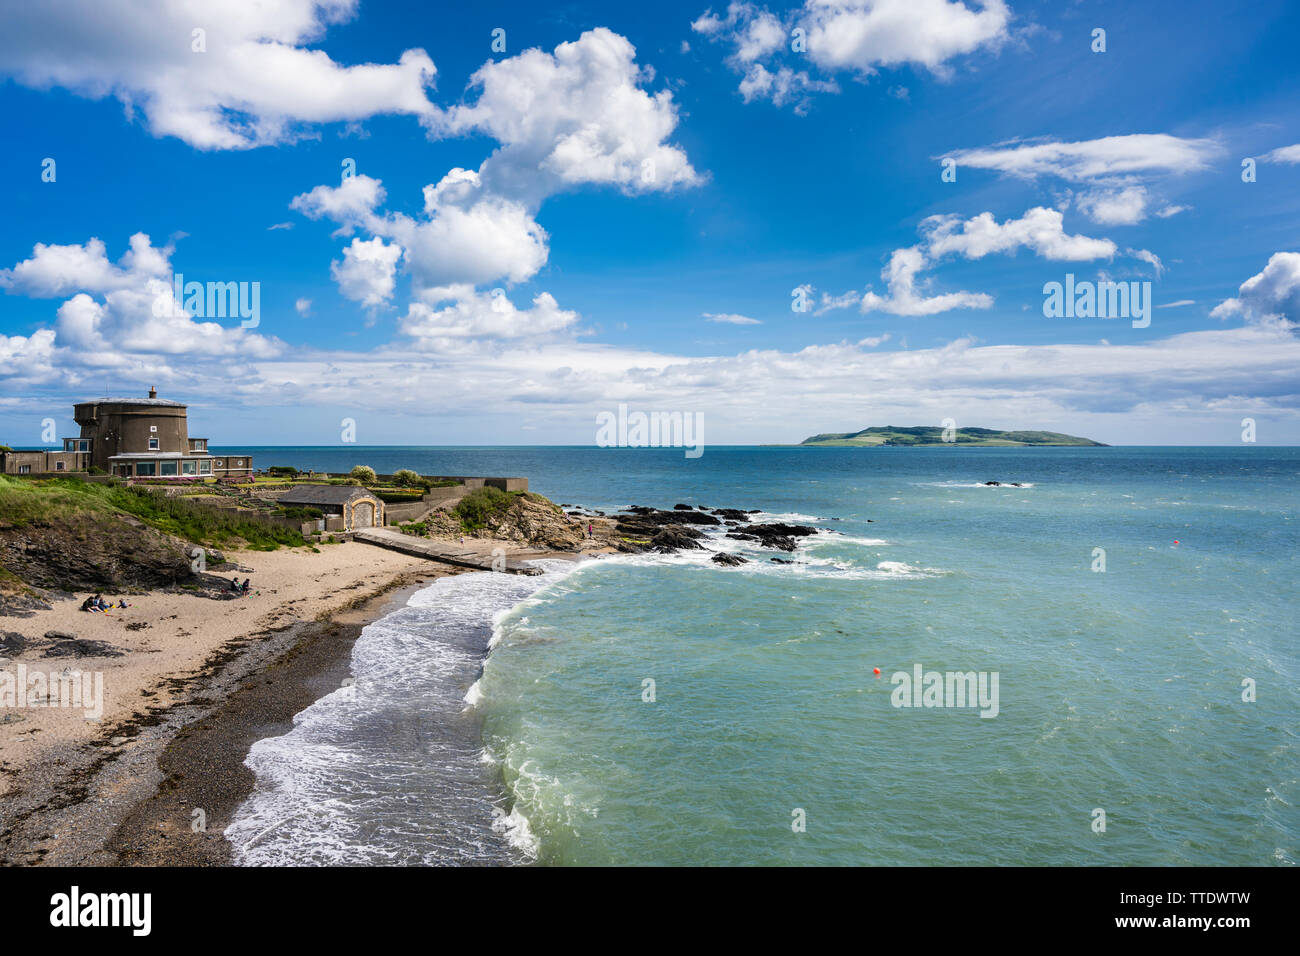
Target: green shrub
(282,470)
(364,474)
(406,478)
(478,508)
(304,513)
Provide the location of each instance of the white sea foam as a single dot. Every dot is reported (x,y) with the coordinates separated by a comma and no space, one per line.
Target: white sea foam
(345,785)
(514,827)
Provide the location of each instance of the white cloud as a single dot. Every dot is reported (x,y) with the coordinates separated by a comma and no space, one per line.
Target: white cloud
(1115,207)
(1268,296)
(730,318)
(1283,154)
(1171,210)
(368,271)
(55,270)
(123,314)
(351,203)
(576,116)
(256,82)
(864,35)
(303,307)
(483,316)
(854,36)
(903,299)
(1039,229)
(1177,305)
(1095,159)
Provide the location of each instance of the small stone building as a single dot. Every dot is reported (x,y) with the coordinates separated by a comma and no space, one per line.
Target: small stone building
(358,507)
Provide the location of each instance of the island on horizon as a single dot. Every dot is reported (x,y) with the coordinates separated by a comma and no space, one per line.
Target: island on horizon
(915,435)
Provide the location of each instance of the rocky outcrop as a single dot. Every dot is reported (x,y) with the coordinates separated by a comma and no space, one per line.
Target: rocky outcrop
(774,535)
(728,560)
(535,521)
(86,551)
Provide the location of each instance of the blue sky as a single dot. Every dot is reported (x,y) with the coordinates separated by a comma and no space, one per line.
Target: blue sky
(646,186)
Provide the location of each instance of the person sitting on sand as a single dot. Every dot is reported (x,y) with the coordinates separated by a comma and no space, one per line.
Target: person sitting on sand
(88,604)
(244,588)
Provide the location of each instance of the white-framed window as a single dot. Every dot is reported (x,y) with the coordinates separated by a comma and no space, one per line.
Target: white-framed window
(187,467)
(205,467)
(153,444)
(24,469)
(240,463)
(218,462)
(153,428)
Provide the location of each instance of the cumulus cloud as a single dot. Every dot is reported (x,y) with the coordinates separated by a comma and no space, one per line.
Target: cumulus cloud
(1115,207)
(1039,230)
(904,298)
(474,315)
(303,307)
(572,117)
(248,80)
(859,37)
(576,116)
(121,314)
(1269,296)
(466,237)
(368,271)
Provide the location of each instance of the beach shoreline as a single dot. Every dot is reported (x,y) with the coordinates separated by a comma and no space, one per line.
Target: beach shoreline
(155,779)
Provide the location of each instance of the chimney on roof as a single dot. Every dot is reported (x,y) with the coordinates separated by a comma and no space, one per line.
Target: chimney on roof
(153,392)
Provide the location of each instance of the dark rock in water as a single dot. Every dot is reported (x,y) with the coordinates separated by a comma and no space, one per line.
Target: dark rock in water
(780,561)
(731,560)
(731,514)
(742,536)
(999,484)
(995,484)
(753,511)
(674,539)
(65,645)
(681,507)
(779,535)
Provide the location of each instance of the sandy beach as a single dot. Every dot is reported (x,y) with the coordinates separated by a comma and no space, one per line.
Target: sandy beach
(68,778)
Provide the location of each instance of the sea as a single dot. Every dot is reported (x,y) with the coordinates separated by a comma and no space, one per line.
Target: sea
(1099,665)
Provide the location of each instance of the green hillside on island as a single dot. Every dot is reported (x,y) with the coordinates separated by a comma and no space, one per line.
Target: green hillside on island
(933,435)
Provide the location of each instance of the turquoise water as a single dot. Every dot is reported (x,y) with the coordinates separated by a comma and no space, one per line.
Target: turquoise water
(1118,690)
